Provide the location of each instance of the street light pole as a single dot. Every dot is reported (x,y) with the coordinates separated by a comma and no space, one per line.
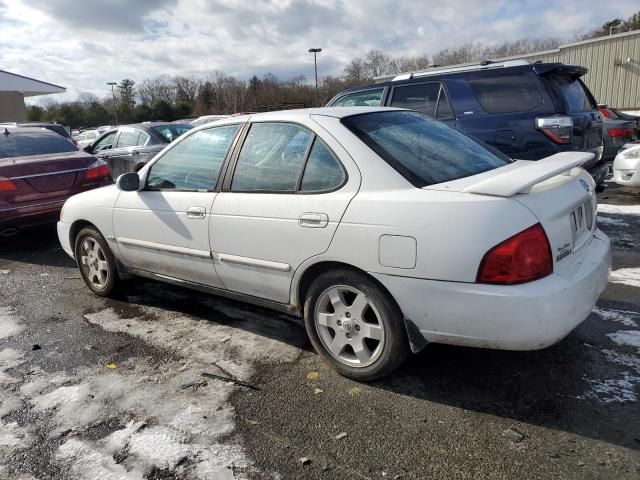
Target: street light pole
(113,93)
(315,52)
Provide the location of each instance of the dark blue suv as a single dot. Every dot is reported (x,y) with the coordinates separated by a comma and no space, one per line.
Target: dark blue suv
(527,110)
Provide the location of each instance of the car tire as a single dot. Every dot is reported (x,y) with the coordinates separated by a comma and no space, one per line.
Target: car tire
(96,262)
(361,341)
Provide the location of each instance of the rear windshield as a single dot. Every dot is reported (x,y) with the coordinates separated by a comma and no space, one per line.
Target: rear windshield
(573,91)
(25,144)
(171,132)
(424,151)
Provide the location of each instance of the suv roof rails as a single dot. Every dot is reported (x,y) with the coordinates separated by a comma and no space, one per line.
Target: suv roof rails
(465,67)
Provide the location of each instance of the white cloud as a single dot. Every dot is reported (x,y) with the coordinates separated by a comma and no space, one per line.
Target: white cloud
(84,44)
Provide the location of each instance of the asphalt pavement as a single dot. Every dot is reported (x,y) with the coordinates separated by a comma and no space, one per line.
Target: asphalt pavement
(114,389)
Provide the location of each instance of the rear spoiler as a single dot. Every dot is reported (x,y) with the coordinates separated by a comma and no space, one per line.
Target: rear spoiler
(522,175)
(575,71)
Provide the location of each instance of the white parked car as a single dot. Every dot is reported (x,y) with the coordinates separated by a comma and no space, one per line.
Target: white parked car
(384,229)
(626,166)
(86,137)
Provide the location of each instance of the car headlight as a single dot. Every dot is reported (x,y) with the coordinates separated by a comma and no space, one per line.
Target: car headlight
(632,153)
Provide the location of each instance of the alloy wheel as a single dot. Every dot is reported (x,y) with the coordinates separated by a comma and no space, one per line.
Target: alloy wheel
(94,263)
(349,326)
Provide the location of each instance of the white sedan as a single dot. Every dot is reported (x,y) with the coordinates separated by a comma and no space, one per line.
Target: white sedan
(384,229)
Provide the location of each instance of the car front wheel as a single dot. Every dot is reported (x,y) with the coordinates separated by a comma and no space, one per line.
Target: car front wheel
(96,262)
(354,325)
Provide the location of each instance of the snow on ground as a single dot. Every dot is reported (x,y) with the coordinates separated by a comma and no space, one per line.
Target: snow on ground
(158,424)
(622,387)
(624,317)
(629,338)
(9,323)
(619,209)
(612,221)
(626,276)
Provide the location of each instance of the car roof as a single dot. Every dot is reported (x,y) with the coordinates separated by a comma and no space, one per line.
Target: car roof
(336,112)
(539,68)
(15,130)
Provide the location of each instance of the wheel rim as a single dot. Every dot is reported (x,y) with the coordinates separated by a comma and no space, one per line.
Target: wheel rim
(94,263)
(349,326)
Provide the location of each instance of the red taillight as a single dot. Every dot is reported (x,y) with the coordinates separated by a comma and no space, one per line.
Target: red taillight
(98,169)
(521,258)
(605,113)
(620,132)
(7,185)
(557,127)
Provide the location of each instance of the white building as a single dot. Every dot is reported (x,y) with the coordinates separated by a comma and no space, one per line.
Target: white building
(13,89)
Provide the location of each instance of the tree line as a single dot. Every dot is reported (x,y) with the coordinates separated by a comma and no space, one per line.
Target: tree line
(176,97)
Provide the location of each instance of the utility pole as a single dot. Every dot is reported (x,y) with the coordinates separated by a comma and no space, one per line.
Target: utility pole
(113,93)
(315,52)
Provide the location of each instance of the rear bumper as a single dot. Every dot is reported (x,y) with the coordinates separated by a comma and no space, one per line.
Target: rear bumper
(518,317)
(30,214)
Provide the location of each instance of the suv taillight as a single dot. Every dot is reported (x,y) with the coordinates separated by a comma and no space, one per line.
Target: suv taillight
(98,169)
(620,132)
(519,259)
(557,128)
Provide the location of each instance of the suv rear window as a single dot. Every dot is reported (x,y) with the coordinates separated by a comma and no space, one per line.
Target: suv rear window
(506,93)
(573,92)
(24,144)
(424,151)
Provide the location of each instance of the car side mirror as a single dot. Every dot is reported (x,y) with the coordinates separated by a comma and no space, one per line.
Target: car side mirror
(87,148)
(128,182)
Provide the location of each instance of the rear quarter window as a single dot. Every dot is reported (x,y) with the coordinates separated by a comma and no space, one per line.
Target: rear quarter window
(23,145)
(368,98)
(506,93)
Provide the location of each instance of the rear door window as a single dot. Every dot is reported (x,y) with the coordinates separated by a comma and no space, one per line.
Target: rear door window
(323,171)
(506,93)
(272,158)
(368,98)
(22,145)
(128,138)
(573,92)
(422,97)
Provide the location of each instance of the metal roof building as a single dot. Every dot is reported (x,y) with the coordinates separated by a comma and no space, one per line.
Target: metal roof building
(13,89)
(613,63)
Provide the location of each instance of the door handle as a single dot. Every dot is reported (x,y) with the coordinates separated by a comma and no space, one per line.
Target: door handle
(196,212)
(313,220)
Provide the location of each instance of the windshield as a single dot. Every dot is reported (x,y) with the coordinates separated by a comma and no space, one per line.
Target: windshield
(423,150)
(25,144)
(171,132)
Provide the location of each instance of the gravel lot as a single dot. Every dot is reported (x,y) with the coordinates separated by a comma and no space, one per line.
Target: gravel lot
(93,388)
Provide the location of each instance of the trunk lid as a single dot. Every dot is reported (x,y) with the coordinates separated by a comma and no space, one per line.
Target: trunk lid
(559,193)
(44,176)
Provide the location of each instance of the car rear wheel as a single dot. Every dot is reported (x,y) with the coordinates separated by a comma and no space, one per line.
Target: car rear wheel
(354,325)
(96,263)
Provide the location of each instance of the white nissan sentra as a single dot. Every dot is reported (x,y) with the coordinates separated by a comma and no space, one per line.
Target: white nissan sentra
(384,229)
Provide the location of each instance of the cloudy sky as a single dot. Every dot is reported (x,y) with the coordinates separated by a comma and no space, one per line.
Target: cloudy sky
(84,44)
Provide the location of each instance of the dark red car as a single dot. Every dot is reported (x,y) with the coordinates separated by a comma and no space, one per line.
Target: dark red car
(39,170)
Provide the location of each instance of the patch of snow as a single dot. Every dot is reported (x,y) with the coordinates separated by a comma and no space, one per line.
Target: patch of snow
(9,358)
(626,276)
(12,435)
(620,316)
(630,338)
(619,209)
(9,403)
(612,221)
(87,463)
(620,389)
(9,323)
